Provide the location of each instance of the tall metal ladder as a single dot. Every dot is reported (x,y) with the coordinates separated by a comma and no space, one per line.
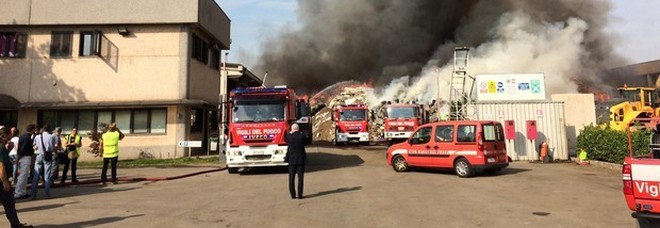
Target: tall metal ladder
(461,86)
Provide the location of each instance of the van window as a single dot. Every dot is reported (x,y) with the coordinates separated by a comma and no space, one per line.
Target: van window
(493,133)
(444,134)
(422,136)
(466,133)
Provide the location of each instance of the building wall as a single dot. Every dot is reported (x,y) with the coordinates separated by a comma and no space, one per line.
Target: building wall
(151,64)
(144,66)
(206,13)
(134,146)
(580,111)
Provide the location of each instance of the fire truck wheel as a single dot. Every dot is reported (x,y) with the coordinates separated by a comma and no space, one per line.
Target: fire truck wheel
(463,168)
(232,170)
(399,164)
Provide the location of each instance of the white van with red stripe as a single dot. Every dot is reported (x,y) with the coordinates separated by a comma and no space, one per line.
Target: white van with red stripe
(468,147)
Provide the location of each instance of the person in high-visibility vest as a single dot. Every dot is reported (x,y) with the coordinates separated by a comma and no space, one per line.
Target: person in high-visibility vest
(73,143)
(109,146)
(582,156)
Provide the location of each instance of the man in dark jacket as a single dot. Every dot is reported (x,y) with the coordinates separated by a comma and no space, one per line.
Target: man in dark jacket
(296,157)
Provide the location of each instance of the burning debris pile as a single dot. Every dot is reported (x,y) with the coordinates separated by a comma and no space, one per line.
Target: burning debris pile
(344,94)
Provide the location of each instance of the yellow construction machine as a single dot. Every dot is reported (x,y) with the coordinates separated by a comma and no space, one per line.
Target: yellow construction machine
(638,102)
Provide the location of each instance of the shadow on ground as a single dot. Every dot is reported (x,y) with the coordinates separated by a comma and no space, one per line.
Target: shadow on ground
(94,222)
(503,172)
(335,191)
(42,207)
(373,146)
(319,161)
(78,190)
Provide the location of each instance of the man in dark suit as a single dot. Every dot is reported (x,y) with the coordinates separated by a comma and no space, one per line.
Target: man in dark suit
(296,157)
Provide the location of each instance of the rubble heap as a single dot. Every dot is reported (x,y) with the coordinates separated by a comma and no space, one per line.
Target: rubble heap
(323,126)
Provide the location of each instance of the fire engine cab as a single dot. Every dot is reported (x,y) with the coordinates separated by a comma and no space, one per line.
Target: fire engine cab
(351,123)
(259,119)
(641,182)
(466,146)
(401,120)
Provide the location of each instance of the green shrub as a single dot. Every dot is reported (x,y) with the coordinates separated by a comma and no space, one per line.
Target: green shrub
(611,145)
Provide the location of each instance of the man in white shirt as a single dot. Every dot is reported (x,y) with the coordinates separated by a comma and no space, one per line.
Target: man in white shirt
(46,144)
(13,133)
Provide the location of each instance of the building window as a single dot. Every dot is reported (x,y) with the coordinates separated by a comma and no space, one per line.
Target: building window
(215,59)
(199,49)
(141,121)
(12,44)
(68,121)
(9,118)
(129,121)
(90,43)
(196,120)
(158,121)
(49,117)
(123,119)
(60,44)
(85,121)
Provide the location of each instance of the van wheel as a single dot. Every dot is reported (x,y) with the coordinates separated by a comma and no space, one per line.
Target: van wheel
(399,164)
(463,168)
(232,170)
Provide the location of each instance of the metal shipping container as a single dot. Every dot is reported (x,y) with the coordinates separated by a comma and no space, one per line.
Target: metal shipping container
(550,123)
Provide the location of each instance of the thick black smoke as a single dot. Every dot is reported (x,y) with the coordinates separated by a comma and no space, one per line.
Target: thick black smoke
(378,40)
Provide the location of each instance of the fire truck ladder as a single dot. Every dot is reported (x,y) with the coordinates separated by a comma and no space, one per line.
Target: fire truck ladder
(461,86)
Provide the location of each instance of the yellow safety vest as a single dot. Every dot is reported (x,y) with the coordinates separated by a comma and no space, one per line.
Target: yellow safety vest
(110,144)
(76,141)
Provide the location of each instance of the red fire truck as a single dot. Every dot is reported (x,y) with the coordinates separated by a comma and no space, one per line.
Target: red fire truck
(641,183)
(351,124)
(259,118)
(401,120)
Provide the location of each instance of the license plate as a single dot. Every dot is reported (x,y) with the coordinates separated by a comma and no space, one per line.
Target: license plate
(401,128)
(258,152)
(491,159)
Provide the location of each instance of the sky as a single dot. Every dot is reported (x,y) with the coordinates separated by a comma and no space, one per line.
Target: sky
(633,21)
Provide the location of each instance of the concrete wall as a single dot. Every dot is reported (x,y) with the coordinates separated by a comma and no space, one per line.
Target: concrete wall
(203,80)
(580,111)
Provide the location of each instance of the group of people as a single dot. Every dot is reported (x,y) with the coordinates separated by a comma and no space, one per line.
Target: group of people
(39,153)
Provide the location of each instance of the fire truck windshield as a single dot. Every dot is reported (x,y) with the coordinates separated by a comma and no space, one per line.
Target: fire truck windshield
(353,115)
(250,111)
(401,112)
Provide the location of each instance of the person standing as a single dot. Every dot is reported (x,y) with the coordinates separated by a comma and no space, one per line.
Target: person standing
(24,158)
(296,157)
(73,144)
(6,197)
(46,144)
(59,153)
(109,146)
(13,154)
